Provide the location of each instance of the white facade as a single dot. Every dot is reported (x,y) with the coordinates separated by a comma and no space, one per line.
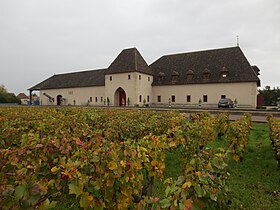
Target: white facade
(139,90)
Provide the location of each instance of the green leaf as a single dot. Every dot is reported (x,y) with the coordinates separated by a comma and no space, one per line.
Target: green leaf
(75,188)
(20,191)
(46,204)
(165,203)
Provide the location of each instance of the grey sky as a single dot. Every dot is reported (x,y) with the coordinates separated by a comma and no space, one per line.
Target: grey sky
(39,38)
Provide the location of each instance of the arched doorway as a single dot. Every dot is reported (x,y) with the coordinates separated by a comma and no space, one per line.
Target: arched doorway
(59,100)
(120,97)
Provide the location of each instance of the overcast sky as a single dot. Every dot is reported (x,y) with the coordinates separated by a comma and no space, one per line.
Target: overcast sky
(40,38)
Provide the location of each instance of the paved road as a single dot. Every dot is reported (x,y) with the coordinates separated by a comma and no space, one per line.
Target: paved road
(255,118)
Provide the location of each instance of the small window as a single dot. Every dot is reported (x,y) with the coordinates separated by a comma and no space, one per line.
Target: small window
(101,99)
(206,74)
(223,96)
(148,79)
(173,98)
(205,98)
(90,99)
(129,77)
(111,78)
(139,77)
(159,99)
(70,92)
(148,98)
(95,99)
(188,98)
(224,72)
(140,98)
(174,76)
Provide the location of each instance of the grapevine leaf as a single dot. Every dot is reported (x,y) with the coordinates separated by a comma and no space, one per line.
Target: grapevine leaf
(187,185)
(85,200)
(46,204)
(20,191)
(74,188)
(165,203)
(112,165)
(55,169)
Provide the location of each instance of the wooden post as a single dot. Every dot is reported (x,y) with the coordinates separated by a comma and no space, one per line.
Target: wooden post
(30,97)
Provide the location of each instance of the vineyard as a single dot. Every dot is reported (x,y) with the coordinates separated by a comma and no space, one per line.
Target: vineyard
(274,127)
(111,159)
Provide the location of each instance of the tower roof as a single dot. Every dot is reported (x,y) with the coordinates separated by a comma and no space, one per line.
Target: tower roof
(129,60)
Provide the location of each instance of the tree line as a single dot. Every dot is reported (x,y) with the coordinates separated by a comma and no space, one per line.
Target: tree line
(6,97)
(270,95)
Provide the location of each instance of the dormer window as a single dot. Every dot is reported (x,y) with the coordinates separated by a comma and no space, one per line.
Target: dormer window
(189,75)
(206,74)
(174,76)
(160,75)
(224,72)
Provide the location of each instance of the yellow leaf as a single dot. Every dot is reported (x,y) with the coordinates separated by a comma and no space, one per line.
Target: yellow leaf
(186,184)
(236,157)
(154,163)
(123,163)
(55,169)
(172,144)
(198,173)
(112,165)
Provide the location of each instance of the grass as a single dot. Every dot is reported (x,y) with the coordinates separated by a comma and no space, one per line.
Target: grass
(254,182)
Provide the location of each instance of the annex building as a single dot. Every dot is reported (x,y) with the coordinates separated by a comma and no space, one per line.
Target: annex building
(183,79)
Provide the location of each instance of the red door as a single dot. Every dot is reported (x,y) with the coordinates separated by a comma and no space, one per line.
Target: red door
(122,98)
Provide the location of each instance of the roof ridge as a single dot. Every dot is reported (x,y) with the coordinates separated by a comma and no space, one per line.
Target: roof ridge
(200,51)
(80,71)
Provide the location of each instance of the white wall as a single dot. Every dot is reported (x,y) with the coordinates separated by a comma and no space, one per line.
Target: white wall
(245,93)
(81,96)
(133,87)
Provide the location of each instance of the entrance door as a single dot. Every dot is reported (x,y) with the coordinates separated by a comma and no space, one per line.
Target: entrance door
(120,97)
(59,100)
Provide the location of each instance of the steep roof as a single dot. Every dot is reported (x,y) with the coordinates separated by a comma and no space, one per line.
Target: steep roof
(129,60)
(210,66)
(76,79)
(22,96)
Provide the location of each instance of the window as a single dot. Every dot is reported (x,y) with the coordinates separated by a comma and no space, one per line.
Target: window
(161,76)
(148,79)
(90,99)
(101,99)
(189,75)
(174,76)
(70,92)
(148,98)
(159,99)
(205,98)
(188,98)
(140,98)
(111,78)
(223,96)
(139,77)
(206,74)
(224,72)
(129,76)
(172,98)
(95,99)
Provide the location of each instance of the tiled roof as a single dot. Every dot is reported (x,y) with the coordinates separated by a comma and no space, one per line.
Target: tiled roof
(76,79)
(129,60)
(22,96)
(210,66)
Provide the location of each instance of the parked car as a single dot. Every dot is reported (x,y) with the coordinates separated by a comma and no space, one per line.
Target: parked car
(225,103)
